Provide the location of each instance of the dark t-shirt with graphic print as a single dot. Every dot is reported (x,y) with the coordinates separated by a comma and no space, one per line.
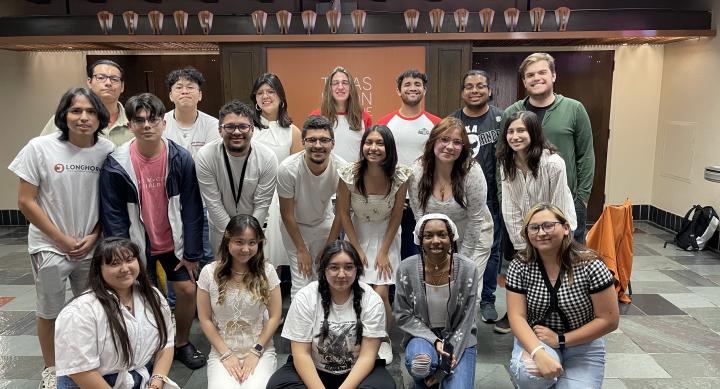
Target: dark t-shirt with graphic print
(483,132)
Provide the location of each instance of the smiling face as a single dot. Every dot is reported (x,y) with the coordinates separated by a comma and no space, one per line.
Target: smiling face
(82,119)
(340,87)
(412,90)
(374,148)
(120,274)
(244,246)
(538,79)
(340,272)
(518,136)
(475,92)
(318,145)
(268,100)
(435,238)
(236,141)
(185,93)
(449,145)
(546,232)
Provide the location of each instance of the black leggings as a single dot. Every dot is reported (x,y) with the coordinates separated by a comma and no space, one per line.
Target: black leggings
(287,377)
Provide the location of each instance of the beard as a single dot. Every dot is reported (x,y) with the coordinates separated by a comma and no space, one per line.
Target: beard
(411,103)
(237,149)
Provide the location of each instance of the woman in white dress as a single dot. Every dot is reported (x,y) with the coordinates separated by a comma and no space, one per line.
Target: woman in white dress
(374,188)
(447,179)
(233,295)
(278,133)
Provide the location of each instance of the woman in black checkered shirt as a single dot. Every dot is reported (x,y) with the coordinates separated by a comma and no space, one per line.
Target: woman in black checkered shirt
(561,301)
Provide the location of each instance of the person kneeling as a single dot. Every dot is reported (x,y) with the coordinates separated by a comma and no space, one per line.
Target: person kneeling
(335,326)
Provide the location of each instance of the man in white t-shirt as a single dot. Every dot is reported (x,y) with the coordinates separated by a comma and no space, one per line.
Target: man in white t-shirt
(306,184)
(235,175)
(411,126)
(105,79)
(59,195)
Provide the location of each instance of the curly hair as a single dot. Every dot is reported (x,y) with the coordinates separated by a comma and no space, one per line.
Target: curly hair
(256,279)
(460,169)
(331,250)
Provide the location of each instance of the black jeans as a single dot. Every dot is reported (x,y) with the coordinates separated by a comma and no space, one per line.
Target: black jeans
(581,215)
(287,377)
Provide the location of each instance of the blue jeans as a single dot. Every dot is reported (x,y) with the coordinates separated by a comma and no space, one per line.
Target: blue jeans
(492,269)
(463,375)
(65,382)
(583,365)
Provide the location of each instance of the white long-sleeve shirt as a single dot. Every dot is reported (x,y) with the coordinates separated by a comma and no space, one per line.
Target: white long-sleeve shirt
(521,194)
(257,191)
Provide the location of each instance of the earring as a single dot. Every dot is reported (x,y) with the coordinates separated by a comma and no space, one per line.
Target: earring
(257,107)
(282,104)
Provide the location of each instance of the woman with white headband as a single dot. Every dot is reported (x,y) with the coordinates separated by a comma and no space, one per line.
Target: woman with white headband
(435,306)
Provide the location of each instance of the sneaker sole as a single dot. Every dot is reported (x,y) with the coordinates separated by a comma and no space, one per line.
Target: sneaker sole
(500,330)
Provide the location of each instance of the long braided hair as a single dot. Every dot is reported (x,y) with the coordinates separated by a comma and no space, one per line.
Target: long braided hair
(256,280)
(331,250)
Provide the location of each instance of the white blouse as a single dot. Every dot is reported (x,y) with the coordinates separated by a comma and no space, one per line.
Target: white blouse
(83,341)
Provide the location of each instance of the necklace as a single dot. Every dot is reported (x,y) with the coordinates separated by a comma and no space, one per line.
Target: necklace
(237,273)
(437,265)
(442,196)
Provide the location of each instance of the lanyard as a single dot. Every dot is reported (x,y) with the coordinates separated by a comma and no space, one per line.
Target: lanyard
(236,195)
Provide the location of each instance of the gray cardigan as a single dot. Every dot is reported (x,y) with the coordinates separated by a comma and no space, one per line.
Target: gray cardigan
(411,308)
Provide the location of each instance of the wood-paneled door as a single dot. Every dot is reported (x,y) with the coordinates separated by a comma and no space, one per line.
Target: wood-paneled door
(585,76)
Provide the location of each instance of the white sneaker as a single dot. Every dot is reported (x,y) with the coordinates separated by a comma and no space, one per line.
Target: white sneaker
(385,352)
(48,380)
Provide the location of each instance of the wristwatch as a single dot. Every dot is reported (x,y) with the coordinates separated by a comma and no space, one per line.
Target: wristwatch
(259,348)
(561,341)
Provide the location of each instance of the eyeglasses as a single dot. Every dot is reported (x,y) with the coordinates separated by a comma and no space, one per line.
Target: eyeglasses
(230,128)
(99,77)
(337,83)
(469,87)
(456,143)
(189,87)
(335,269)
(140,121)
(323,141)
(547,227)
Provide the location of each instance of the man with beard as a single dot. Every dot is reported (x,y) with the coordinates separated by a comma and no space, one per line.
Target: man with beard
(235,177)
(306,183)
(482,123)
(566,125)
(105,79)
(410,126)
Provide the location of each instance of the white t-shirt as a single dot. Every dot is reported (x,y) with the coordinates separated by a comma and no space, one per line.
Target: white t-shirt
(410,133)
(203,131)
(240,319)
(68,190)
(83,341)
(337,353)
(312,194)
(347,140)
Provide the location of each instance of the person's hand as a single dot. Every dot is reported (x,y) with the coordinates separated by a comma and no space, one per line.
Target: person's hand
(191,268)
(443,354)
(305,264)
(547,366)
(83,246)
(546,335)
(363,257)
(248,366)
(67,244)
(382,266)
(430,381)
(234,367)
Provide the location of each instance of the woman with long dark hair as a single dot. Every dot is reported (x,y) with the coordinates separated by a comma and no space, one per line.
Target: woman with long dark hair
(118,333)
(234,292)
(276,131)
(435,306)
(447,179)
(561,302)
(334,326)
(374,188)
(531,172)
(342,106)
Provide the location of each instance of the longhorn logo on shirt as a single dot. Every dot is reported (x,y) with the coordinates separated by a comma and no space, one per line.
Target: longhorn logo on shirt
(59,168)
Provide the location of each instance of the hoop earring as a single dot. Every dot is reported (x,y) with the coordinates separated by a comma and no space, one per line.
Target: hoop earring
(282,104)
(257,107)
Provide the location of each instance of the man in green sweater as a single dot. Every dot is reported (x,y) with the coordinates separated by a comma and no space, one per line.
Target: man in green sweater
(565,123)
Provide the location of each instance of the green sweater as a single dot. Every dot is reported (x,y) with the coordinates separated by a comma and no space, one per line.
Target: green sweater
(566,125)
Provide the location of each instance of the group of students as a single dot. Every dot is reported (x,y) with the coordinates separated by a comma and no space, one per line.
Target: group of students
(248,192)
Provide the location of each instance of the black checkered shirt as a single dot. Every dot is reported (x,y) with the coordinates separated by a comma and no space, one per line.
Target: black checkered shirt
(563,307)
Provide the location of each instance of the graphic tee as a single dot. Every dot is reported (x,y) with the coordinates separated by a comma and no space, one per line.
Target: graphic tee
(338,352)
(410,133)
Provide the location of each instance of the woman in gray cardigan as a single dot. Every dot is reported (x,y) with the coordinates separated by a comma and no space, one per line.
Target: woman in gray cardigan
(435,305)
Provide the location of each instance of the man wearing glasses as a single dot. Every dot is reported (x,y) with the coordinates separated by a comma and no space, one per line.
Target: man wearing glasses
(235,176)
(105,79)
(482,123)
(306,183)
(149,194)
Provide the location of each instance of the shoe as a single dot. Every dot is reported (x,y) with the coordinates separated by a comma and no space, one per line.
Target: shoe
(48,378)
(190,356)
(502,326)
(488,312)
(385,352)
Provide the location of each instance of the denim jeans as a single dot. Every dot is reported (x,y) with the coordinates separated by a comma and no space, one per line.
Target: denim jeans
(65,382)
(583,365)
(492,269)
(463,375)
(581,215)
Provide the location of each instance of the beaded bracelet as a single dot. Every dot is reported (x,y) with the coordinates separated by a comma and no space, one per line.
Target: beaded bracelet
(226,356)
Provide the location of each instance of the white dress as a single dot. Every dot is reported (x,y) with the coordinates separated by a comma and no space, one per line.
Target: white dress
(370,218)
(279,139)
(239,321)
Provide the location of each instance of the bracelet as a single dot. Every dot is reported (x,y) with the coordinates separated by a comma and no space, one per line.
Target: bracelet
(535,350)
(255,352)
(226,356)
(160,377)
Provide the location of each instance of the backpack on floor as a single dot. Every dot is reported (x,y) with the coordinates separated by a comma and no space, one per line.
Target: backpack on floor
(696,229)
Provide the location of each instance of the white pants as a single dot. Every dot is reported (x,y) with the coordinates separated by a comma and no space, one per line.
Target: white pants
(315,238)
(218,376)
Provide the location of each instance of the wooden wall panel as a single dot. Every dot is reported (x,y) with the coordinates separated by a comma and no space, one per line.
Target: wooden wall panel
(241,65)
(446,64)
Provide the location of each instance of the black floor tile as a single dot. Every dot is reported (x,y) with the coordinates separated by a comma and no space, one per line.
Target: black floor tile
(654,304)
(688,278)
(630,309)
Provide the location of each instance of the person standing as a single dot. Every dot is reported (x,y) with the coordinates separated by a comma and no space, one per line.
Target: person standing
(58,194)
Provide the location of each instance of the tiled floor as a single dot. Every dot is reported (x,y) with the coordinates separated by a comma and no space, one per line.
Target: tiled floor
(668,337)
